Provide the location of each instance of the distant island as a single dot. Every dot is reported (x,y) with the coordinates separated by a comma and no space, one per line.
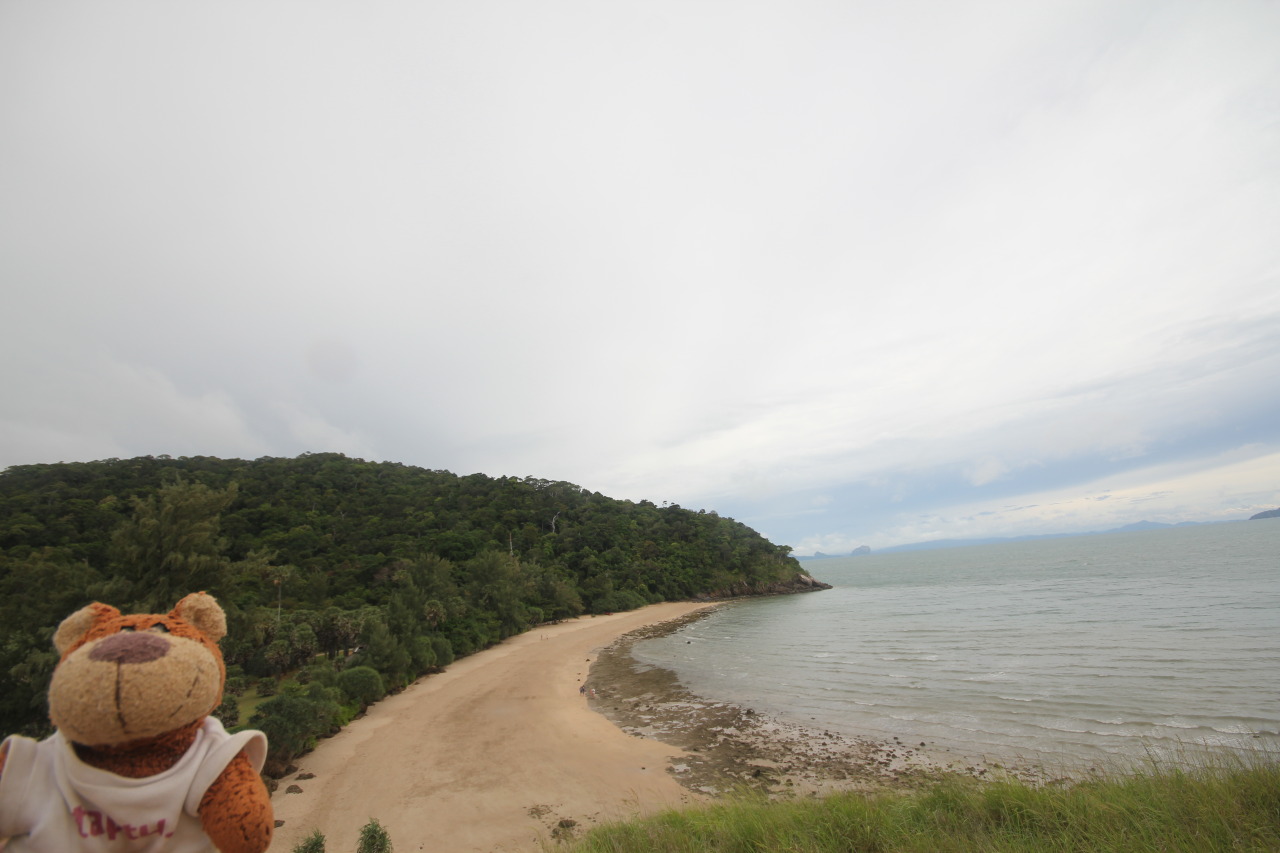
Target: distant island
(934,544)
(860,551)
(1137,526)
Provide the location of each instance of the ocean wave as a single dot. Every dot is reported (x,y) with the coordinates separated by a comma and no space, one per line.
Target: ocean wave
(991,677)
(944,647)
(1180,723)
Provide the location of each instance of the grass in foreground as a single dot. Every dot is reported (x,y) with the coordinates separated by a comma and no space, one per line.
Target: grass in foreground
(1200,810)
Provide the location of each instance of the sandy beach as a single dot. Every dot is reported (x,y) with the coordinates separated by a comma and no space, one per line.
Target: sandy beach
(497,753)
(501,752)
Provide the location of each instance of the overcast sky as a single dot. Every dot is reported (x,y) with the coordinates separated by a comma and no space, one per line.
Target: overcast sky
(850,272)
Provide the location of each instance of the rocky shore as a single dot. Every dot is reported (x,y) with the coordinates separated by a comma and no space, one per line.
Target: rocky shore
(732,748)
(800,583)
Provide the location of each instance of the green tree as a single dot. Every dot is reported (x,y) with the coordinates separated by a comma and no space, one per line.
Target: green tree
(228,713)
(303,643)
(279,576)
(36,593)
(171,546)
(336,630)
(498,585)
(384,652)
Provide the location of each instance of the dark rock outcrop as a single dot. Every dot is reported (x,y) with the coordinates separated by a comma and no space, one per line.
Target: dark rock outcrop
(800,583)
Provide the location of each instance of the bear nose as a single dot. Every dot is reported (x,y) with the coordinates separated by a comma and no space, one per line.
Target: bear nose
(130,648)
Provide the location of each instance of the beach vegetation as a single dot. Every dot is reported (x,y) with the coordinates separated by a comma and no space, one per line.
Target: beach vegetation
(1218,806)
(374,838)
(313,843)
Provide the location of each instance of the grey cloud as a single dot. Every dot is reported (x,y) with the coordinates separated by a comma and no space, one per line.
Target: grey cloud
(731,259)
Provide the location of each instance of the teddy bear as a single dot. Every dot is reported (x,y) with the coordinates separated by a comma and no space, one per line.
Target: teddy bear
(137,763)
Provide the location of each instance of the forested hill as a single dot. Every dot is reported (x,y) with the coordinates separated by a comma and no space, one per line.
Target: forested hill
(323,552)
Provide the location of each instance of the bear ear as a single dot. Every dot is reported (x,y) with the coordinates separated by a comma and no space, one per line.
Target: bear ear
(78,624)
(203,611)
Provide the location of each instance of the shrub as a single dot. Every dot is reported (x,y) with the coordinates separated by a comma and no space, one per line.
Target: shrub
(313,843)
(424,655)
(320,671)
(228,712)
(294,720)
(362,684)
(237,682)
(373,838)
(443,650)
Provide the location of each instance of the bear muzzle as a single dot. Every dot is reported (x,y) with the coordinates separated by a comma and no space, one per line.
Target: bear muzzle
(130,647)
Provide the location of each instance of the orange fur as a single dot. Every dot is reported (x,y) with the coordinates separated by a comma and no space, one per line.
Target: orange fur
(236,810)
(141,758)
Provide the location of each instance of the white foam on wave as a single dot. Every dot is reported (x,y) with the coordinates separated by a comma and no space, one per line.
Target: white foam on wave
(990,677)
(1069,726)
(1243,729)
(1178,723)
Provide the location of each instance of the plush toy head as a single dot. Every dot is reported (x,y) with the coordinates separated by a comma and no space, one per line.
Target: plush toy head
(126,678)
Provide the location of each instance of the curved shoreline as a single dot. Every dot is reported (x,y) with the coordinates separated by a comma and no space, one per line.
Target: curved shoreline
(729,747)
(503,752)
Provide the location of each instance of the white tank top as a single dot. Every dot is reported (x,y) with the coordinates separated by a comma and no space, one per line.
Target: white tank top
(51,802)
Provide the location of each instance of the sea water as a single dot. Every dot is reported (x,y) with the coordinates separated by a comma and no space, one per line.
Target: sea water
(1110,649)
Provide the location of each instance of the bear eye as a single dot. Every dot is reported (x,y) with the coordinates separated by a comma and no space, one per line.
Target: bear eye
(159,628)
